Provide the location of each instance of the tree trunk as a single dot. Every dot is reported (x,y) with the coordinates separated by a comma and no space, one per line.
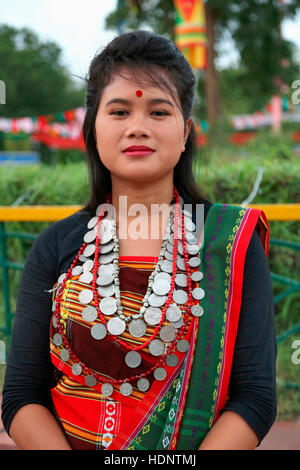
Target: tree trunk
(212,90)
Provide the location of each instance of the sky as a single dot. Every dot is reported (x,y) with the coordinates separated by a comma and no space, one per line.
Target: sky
(78,28)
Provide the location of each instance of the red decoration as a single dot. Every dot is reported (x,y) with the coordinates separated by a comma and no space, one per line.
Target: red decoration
(139,93)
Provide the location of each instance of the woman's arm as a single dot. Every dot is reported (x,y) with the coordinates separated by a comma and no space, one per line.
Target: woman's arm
(35,428)
(230,432)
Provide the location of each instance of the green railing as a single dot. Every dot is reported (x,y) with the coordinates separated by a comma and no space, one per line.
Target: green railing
(291,286)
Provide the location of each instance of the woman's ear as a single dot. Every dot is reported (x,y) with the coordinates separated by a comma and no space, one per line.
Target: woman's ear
(187,130)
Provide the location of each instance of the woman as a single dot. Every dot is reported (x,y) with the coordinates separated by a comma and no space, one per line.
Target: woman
(156,341)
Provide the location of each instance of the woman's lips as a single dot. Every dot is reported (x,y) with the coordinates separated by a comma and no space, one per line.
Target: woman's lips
(138,153)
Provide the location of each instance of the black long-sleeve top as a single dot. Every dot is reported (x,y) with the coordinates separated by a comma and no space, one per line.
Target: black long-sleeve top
(29,369)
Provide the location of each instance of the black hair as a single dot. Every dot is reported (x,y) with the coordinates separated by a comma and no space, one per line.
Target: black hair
(151,53)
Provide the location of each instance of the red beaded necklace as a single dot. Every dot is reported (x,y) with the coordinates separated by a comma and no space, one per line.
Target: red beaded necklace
(186,319)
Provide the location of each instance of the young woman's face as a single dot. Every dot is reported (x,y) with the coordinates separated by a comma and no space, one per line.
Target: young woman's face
(139,121)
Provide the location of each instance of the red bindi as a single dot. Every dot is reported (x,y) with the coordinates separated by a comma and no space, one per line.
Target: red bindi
(139,93)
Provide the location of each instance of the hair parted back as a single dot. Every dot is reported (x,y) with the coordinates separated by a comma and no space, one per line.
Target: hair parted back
(153,54)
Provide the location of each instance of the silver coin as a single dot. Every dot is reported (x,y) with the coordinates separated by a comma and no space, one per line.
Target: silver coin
(173,313)
(107,247)
(98,331)
(133,359)
(170,248)
(83,259)
(193,249)
(89,250)
(143,384)
(87,265)
(172,360)
(107,390)
(90,236)
(181,280)
(191,238)
(181,264)
(152,315)
(180,247)
(161,287)
(162,275)
(180,296)
(197,310)
(89,313)
(116,326)
(106,269)
(106,291)
(106,231)
(137,328)
(54,321)
(57,339)
(90,380)
(156,347)
(160,373)
(167,266)
(86,278)
(105,280)
(64,354)
(167,334)
(77,270)
(178,324)
(92,222)
(61,278)
(85,296)
(126,389)
(157,300)
(107,257)
(197,276)
(76,369)
(189,224)
(168,256)
(198,293)
(194,262)
(108,305)
(183,345)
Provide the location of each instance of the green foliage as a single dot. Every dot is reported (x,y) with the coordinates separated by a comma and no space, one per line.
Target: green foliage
(36,81)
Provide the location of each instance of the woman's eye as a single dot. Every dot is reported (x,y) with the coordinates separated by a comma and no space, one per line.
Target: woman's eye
(120,113)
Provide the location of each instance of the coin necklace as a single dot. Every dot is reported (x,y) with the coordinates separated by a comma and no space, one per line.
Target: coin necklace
(160,283)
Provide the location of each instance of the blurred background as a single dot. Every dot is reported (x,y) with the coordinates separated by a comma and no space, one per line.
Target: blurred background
(246,58)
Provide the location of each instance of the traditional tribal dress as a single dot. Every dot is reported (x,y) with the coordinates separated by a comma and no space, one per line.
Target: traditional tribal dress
(178,411)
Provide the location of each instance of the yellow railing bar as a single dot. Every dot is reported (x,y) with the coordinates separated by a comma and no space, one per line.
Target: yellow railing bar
(53,213)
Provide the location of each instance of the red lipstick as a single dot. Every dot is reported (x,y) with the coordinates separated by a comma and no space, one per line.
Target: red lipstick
(138,151)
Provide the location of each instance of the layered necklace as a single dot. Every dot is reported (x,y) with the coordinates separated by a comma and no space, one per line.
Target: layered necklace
(97,264)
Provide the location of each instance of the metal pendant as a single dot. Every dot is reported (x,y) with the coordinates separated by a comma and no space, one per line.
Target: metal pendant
(143,384)
(90,380)
(108,305)
(57,339)
(172,360)
(180,296)
(88,266)
(183,345)
(193,249)
(198,293)
(160,373)
(152,315)
(197,276)
(197,310)
(173,313)
(90,236)
(98,331)
(107,390)
(194,262)
(137,328)
(106,291)
(156,347)
(116,326)
(161,287)
(86,278)
(77,271)
(89,250)
(167,334)
(157,300)
(64,355)
(76,369)
(89,313)
(133,359)
(92,222)
(126,389)
(181,280)
(85,296)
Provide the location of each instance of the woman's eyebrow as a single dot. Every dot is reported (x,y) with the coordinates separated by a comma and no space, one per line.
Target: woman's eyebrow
(152,101)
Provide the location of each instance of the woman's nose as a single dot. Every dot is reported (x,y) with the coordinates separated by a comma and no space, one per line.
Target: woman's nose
(137,127)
